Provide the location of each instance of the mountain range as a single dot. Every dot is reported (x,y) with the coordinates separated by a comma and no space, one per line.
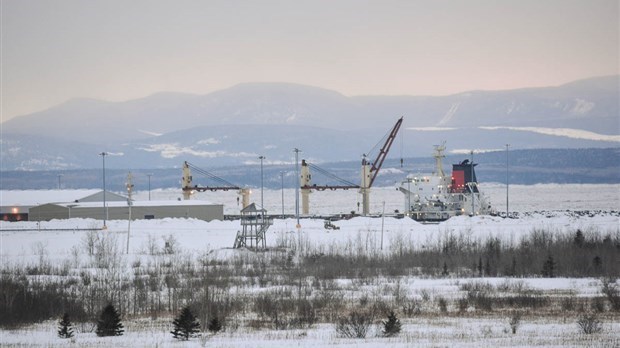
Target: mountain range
(236,125)
(560,166)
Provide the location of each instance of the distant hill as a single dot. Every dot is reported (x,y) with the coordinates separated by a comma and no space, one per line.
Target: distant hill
(235,125)
(526,167)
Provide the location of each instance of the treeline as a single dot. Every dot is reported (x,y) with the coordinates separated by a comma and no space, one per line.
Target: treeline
(541,253)
(299,283)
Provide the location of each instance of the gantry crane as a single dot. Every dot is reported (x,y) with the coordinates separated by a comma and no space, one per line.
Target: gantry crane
(369,174)
(223,185)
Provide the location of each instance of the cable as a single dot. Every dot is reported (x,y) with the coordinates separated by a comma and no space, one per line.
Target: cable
(211,176)
(330,175)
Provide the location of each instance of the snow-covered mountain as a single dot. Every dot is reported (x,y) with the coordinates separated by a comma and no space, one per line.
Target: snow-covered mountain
(235,125)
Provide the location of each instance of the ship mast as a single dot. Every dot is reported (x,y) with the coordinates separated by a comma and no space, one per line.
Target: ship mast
(439,149)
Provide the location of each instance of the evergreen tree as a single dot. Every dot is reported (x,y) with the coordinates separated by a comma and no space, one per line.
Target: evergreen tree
(597,263)
(549,267)
(215,325)
(579,238)
(444,272)
(65,328)
(391,327)
(109,323)
(480,267)
(487,267)
(185,325)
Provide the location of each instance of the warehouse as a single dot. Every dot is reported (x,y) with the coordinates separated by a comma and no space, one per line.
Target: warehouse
(195,209)
(15,205)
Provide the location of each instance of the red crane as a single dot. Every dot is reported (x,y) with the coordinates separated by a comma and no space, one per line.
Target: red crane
(370,170)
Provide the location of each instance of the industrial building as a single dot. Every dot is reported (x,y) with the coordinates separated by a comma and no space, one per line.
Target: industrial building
(45,205)
(15,205)
(120,210)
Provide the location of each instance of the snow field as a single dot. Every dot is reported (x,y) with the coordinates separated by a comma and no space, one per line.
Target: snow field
(418,332)
(57,239)
(61,244)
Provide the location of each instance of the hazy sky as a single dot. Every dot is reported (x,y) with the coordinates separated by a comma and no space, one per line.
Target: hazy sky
(55,50)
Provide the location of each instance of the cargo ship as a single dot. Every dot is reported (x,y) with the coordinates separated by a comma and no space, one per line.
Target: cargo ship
(438,197)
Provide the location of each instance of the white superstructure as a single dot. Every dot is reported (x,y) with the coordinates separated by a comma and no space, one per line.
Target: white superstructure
(437,196)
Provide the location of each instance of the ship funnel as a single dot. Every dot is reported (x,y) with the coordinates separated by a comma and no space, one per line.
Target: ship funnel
(463,174)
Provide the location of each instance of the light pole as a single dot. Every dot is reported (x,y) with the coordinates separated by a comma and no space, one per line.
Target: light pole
(105,212)
(282,180)
(507,145)
(261,158)
(297,151)
(382,223)
(298,226)
(59,175)
(409,212)
(149,175)
(129,203)
(471,185)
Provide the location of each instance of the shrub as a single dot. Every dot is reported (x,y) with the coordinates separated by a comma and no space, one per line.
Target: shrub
(514,322)
(109,323)
(568,303)
(548,269)
(170,245)
(598,304)
(185,325)
(589,323)
(65,328)
(355,325)
(463,304)
(215,325)
(610,289)
(25,301)
(268,307)
(411,308)
(443,304)
(444,271)
(391,327)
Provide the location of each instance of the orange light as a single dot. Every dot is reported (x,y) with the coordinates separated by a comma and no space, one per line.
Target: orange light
(14,210)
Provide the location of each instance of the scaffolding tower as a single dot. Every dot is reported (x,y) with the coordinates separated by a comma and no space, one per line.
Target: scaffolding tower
(254,225)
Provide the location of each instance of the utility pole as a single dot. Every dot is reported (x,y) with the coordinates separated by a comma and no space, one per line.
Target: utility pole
(261,158)
(298,226)
(409,211)
(59,176)
(472,184)
(382,223)
(149,175)
(282,181)
(129,204)
(507,145)
(297,151)
(105,210)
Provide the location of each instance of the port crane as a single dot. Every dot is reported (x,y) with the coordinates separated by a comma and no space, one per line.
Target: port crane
(368,175)
(222,184)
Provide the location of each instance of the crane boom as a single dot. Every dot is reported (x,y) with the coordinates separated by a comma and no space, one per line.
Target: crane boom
(376,165)
(222,185)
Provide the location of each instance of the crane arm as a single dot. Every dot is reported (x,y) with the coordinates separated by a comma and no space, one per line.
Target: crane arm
(376,165)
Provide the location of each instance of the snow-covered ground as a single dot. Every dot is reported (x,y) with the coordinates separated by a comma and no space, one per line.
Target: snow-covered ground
(541,206)
(550,207)
(423,332)
(59,237)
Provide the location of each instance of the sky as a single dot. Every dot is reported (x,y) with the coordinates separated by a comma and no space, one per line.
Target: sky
(115,50)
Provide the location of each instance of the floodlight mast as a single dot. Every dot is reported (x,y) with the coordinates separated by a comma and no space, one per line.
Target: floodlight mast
(105,209)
